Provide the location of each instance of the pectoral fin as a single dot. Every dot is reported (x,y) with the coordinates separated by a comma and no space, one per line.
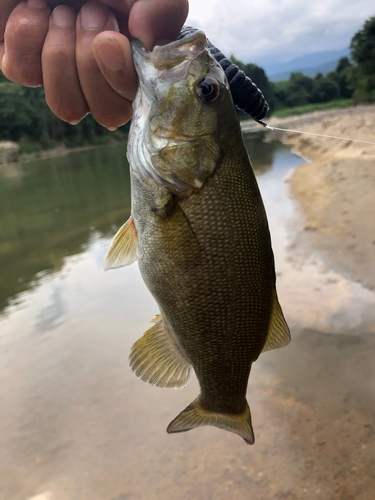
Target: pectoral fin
(278,332)
(155,358)
(124,247)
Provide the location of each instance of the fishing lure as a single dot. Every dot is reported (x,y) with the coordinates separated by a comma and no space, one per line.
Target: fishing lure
(246,95)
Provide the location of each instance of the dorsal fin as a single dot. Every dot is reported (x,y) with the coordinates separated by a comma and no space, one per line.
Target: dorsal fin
(155,358)
(278,331)
(124,247)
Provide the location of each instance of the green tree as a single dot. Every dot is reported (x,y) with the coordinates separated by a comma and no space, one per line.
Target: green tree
(26,118)
(281,93)
(324,89)
(343,65)
(363,53)
(342,77)
(299,90)
(16,112)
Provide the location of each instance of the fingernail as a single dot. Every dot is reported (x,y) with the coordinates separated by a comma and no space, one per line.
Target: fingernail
(63,17)
(93,17)
(37,4)
(110,54)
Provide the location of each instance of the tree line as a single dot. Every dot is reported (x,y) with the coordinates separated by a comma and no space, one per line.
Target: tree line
(26,118)
(352,79)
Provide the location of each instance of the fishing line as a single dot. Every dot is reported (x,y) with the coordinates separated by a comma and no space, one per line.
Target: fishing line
(318,135)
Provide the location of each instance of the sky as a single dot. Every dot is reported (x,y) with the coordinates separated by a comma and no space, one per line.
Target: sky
(263,31)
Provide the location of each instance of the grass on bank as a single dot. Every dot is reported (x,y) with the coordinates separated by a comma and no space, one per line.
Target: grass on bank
(309,108)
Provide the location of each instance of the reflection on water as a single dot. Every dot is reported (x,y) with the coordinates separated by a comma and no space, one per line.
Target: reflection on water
(76,424)
(312,296)
(49,209)
(263,154)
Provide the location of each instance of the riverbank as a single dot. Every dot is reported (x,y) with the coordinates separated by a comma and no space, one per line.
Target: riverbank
(8,152)
(336,190)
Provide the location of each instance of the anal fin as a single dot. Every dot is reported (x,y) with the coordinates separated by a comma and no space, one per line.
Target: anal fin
(278,331)
(124,247)
(155,358)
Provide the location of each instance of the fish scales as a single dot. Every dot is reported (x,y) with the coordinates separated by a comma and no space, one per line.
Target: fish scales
(214,266)
(204,252)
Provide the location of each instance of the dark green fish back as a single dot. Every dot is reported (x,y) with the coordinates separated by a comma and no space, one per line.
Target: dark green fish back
(208,262)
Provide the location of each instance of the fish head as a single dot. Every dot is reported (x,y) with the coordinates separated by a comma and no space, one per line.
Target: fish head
(182,107)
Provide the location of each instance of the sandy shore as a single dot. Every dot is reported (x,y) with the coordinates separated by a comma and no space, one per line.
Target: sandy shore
(336,189)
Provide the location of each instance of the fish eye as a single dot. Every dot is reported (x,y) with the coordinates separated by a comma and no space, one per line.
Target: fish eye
(207,90)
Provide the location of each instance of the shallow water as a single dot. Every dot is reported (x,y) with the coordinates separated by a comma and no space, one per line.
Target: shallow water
(76,424)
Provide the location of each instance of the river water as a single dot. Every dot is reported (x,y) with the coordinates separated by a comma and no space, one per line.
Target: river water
(76,424)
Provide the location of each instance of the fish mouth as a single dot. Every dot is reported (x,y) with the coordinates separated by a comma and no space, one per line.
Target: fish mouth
(167,62)
(141,56)
(163,65)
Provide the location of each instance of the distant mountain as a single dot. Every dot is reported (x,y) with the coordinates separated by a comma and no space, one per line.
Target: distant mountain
(322,68)
(309,64)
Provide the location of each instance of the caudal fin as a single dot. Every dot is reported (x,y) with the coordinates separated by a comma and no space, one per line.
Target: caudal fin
(196,416)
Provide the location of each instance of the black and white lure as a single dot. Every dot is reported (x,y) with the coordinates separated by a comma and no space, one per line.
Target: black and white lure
(246,95)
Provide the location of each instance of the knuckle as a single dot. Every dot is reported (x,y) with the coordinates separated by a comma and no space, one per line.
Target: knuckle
(57,52)
(27,30)
(23,74)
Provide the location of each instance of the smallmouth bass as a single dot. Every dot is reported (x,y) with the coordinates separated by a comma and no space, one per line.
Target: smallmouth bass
(199,231)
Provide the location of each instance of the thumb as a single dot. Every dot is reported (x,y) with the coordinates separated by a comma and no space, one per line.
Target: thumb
(155,21)
(112,52)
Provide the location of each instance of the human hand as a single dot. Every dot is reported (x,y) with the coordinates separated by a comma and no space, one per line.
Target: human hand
(80,51)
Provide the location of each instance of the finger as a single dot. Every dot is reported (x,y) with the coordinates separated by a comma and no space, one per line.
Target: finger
(121,8)
(153,22)
(113,55)
(6,7)
(107,107)
(23,42)
(60,78)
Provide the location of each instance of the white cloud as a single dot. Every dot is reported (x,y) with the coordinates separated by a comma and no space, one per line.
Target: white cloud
(279,30)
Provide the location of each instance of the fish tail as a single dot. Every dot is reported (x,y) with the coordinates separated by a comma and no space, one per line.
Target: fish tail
(196,416)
